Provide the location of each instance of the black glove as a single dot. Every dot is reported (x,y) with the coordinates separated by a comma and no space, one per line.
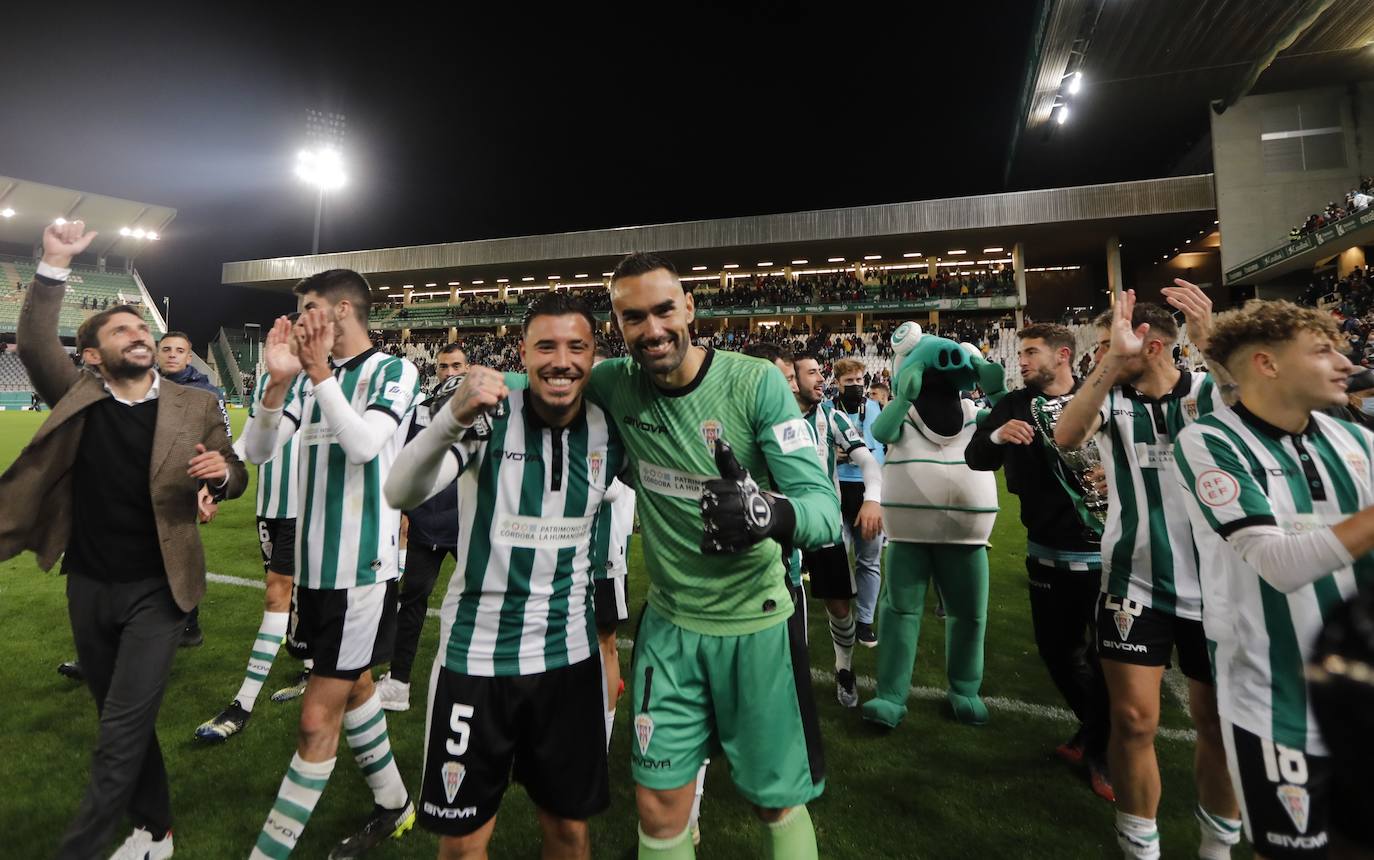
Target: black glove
(736,514)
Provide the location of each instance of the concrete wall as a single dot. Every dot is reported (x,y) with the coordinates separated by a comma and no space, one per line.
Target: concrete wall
(1256,207)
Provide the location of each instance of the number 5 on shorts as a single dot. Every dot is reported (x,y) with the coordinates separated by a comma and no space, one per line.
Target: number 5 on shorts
(457,723)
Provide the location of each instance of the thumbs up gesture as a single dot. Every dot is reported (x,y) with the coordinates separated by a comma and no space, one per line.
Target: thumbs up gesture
(735,513)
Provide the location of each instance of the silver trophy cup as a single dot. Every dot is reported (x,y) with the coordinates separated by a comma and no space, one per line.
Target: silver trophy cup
(1077,463)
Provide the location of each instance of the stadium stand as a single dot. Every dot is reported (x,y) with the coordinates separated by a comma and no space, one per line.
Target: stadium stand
(88,291)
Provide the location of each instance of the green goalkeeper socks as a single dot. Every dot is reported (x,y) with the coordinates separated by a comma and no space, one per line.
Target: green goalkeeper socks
(677,847)
(792,837)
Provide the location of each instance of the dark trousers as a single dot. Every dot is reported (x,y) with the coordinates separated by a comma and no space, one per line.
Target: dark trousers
(126,636)
(1063,611)
(417,583)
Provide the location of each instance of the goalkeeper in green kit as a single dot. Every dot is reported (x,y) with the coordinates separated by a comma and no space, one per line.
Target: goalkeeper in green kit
(725,472)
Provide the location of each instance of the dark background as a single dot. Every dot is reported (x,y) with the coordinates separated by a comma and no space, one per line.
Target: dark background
(506,121)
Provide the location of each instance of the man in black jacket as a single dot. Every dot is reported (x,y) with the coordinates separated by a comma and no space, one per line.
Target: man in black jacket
(1063,552)
(431,535)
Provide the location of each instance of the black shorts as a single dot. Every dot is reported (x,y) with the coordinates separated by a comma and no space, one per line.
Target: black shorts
(548,729)
(346,630)
(1285,795)
(612,606)
(1128,632)
(851,499)
(831,576)
(277,540)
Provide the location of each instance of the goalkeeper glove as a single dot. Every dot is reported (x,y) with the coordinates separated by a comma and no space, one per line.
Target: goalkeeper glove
(735,513)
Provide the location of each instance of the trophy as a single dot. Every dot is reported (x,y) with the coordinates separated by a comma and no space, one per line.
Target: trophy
(1091,505)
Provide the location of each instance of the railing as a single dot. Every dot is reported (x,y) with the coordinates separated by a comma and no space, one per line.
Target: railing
(231,378)
(963,303)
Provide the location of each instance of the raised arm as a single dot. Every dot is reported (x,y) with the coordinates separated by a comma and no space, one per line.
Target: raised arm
(266,433)
(49,366)
(1081,418)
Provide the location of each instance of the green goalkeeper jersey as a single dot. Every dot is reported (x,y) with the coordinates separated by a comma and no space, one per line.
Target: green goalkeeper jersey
(670,438)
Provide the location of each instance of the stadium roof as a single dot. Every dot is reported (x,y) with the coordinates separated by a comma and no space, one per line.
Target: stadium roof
(36,205)
(1059,225)
(1151,70)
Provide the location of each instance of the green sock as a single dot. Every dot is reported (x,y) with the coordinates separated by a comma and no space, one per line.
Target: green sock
(792,836)
(677,847)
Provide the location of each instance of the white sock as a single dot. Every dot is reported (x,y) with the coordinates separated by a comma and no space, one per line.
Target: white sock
(610,725)
(842,633)
(696,801)
(1138,837)
(1218,834)
(401,561)
(365,730)
(300,791)
(270,634)
(309,663)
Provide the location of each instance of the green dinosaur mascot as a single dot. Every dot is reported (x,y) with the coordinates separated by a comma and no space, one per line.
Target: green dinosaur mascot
(937,514)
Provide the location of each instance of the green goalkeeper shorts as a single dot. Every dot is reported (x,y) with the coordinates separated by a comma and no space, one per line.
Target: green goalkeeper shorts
(749,696)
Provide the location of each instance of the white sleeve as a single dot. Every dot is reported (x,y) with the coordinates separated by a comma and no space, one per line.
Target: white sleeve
(872,471)
(1289,562)
(362,437)
(266,433)
(614,491)
(240,448)
(422,469)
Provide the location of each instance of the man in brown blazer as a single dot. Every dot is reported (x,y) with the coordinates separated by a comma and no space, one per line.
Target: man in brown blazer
(109,482)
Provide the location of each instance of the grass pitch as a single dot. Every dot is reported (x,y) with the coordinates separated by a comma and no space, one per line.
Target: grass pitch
(930,789)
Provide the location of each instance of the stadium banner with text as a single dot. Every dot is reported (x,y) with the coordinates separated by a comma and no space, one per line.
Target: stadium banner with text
(1329,233)
(969,303)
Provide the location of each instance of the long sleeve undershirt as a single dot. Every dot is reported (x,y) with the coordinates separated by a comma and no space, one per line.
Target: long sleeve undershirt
(1290,562)
(361,437)
(872,471)
(421,469)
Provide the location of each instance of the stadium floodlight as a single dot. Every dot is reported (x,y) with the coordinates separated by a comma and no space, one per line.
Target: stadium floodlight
(322,168)
(479,282)
(608,274)
(528,278)
(139,233)
(835,260)
(731,265)
(1075,84)
(799,262)
(453,283)
(7,212)
(956,252)
(151,236)
(503,280)
(60,221)
(912,254)
(125,231)
(1063,114)
(992,250)
(698,268)
(873,257)
(580,275)
(555,277)
(763,264)
(431,285)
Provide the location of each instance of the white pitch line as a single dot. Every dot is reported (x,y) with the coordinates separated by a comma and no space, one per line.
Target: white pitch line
(1177,685)
(866,682)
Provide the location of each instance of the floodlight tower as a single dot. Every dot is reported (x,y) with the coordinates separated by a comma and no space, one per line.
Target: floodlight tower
(321,163)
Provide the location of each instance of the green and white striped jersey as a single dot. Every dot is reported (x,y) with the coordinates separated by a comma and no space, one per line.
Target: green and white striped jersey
(346,533)
(832,429)
(276,477)
(1147,547)
(1241,472)
(529,497)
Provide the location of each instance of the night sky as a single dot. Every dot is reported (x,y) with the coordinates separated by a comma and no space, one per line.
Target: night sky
(503,121)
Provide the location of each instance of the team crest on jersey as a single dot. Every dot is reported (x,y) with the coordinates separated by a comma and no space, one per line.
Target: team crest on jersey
(594,461)
(1356,461)
(1124,622)
(1190,408)
(644,731)
(710,431)
(452,774)
(1297,803)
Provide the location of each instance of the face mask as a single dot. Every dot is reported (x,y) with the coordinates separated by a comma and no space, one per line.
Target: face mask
(852,396)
